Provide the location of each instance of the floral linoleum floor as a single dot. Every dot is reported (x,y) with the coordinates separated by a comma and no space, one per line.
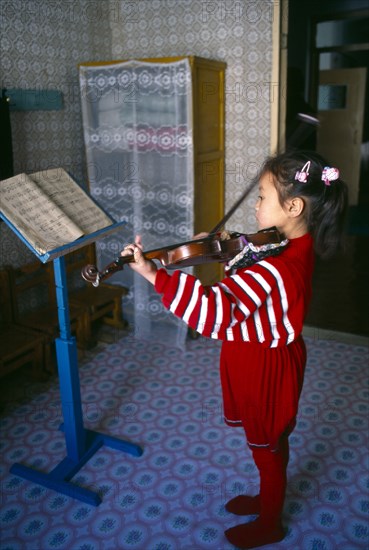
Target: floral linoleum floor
(168,401)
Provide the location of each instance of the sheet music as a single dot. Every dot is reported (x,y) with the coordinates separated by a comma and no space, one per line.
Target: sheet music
(72,199)
(49,209)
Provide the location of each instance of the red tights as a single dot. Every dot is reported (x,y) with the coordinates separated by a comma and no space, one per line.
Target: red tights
(268,505)
(272,466)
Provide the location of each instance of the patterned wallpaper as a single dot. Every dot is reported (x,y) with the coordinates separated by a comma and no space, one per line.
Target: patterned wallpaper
(237,32)
(42,42)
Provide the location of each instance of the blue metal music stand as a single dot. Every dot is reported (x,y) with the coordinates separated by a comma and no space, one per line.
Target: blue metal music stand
(81,443)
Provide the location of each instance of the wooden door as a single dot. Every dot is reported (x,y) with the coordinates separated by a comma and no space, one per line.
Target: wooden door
(341,103)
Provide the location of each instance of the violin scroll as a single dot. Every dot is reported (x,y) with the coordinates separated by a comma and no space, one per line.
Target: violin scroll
(91,274)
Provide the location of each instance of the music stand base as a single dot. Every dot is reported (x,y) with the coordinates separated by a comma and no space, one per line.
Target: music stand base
(59,478)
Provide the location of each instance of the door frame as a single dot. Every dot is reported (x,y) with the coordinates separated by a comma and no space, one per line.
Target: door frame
(278,85)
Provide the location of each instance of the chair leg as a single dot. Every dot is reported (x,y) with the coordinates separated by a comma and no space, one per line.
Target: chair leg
(38,363)
(49,363)
(117,318)
(84,336)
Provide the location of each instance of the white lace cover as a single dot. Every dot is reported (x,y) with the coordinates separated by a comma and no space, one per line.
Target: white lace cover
(137,121)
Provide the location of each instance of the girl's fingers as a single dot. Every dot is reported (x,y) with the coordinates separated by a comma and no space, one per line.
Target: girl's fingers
(138,241)
(128,250)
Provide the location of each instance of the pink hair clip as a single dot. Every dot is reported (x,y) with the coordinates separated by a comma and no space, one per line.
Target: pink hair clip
(330,174)
(303,174)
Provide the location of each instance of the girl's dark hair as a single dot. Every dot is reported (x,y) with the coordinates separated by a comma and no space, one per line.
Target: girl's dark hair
(325,205)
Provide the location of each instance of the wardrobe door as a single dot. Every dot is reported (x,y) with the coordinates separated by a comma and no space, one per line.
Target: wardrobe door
(209,129)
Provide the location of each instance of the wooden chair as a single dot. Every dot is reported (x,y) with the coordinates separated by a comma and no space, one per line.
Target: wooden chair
(34,303)
(104,302)
(19,346)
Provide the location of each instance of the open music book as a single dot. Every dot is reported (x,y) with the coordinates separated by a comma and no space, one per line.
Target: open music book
(49,209)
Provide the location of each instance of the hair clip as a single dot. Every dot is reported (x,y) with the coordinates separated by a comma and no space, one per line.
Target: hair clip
(330,174)
(303,174)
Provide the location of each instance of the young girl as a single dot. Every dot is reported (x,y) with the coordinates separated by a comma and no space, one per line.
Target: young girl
(258,312)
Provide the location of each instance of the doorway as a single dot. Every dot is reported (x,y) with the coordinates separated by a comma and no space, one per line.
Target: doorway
(331,52)
(340,111)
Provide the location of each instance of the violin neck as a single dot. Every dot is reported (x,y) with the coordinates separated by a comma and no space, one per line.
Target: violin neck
(159,253)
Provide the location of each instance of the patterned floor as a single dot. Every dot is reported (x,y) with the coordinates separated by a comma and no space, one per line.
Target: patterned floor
(172,498)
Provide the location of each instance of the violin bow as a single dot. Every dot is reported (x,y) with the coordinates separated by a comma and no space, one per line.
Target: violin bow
(307,123)
(225,218)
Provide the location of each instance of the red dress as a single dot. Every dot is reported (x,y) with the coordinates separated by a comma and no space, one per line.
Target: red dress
(258,312)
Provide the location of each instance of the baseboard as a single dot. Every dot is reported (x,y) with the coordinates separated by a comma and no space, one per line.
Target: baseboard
(344,337)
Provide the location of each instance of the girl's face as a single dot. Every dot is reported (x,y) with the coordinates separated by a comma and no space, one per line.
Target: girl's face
(269,211)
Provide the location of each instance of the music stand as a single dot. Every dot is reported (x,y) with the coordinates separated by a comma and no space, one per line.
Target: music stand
(81,443)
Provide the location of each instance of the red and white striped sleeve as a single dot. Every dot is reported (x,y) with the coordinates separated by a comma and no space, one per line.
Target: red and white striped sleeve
(265,303)
(214,311)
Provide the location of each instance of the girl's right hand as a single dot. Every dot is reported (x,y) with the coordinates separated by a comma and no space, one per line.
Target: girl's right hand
(201,235)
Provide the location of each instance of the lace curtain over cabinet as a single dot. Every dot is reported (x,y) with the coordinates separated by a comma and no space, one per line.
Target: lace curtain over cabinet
(137,120)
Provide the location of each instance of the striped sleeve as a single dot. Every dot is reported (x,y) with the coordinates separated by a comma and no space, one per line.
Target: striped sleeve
(277,304)
(265,303)
(214,311)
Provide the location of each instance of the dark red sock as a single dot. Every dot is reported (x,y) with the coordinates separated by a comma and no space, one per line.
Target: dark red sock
(244,505)
(267,528)
(284,449)
(254,534)
(273,481)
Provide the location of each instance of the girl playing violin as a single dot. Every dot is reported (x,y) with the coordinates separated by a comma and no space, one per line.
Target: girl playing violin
(258,312)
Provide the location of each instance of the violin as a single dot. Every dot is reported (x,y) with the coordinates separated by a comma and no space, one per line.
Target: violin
(190,253)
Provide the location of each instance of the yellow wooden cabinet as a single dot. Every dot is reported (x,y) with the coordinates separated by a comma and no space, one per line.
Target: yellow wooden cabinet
(209,137)
(208,112)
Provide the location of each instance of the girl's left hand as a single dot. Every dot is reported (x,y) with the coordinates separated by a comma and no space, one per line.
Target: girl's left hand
(141,265)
